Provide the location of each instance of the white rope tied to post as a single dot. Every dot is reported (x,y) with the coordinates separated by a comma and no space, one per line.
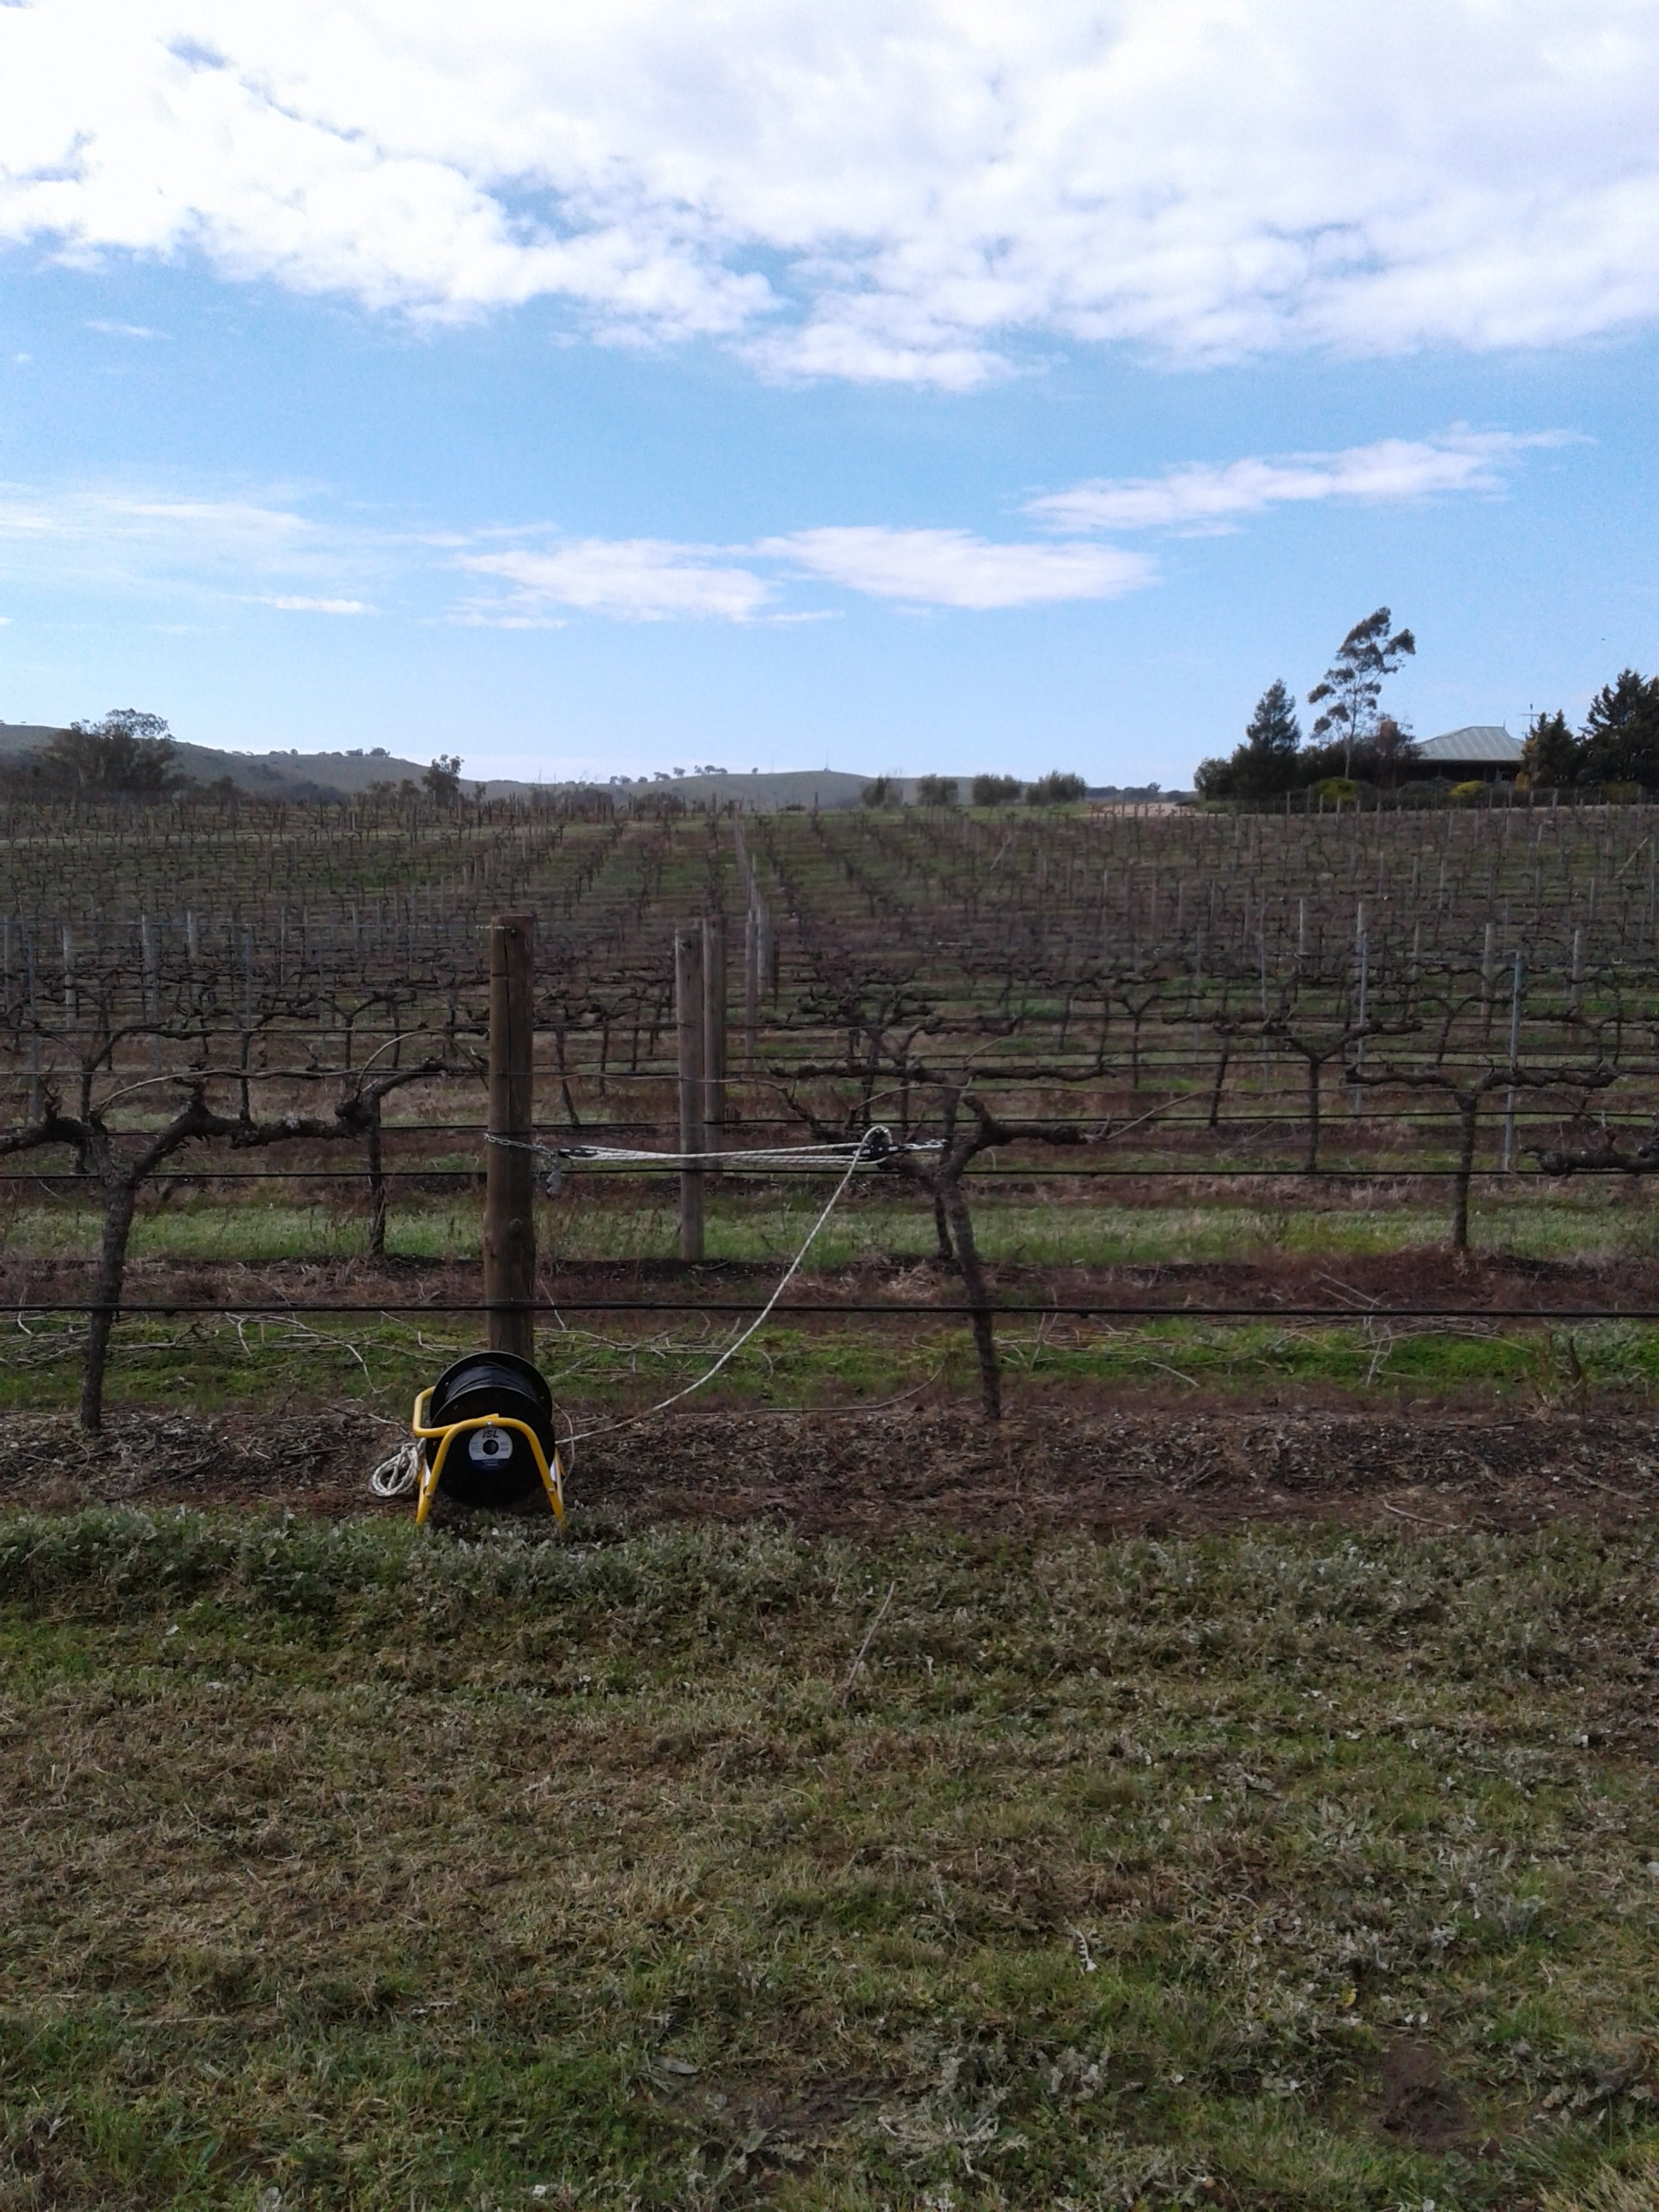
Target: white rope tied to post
(875,1146)
(871,1150)
(809,1156)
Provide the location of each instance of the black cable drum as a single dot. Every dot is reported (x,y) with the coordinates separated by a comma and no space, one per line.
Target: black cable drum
(492,1465)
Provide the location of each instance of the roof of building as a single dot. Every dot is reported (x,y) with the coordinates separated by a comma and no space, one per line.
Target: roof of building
(1486,744)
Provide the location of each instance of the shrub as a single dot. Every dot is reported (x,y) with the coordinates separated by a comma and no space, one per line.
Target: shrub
(1057,788)
(996,790)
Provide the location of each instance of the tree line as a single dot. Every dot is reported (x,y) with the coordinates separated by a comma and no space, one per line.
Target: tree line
(1360,743)
(1355,744)
(1618,746)
(1058,789)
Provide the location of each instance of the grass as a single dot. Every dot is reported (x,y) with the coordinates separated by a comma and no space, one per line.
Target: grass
(371,1870)
(1074,1225)
(210,1365)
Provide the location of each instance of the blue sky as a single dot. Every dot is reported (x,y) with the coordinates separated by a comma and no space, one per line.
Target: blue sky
(943,394)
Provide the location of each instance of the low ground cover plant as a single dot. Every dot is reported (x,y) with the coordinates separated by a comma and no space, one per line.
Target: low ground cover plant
(351,1867)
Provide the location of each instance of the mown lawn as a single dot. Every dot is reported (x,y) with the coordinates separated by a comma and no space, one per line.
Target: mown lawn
(346,1866)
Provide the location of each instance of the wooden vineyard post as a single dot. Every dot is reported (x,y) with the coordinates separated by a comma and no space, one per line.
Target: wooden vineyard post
(714,1035)
(509,1233)
(688,1034)
(1515,1054)
(34,1028)
(769,954)
(751,983)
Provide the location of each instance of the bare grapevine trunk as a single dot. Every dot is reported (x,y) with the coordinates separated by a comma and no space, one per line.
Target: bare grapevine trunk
(979,1297)
(377,1187)
(1216,1087)
(1316,1069)
(119,1201)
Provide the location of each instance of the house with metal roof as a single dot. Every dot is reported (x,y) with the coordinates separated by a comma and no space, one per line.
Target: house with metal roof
(1479,749)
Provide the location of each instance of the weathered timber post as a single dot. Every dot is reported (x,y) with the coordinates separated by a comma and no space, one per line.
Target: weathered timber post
(714,1035)
(689,1033)
(751,983)
(34,1028)
(509,1234)
(1515,1054)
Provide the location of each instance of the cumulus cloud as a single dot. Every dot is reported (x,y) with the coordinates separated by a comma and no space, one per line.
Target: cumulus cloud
(899,190)
(1199,497)
(954,569)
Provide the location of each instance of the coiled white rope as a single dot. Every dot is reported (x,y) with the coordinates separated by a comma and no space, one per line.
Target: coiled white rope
(399,1474)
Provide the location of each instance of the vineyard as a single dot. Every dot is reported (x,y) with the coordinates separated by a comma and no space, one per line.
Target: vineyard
(1171,1100)
(1102,1654)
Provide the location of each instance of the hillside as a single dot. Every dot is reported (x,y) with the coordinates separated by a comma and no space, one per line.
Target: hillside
(296,775)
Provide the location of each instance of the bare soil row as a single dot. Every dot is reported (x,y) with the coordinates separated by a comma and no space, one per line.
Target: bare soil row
(1473,1283)
(869,1473)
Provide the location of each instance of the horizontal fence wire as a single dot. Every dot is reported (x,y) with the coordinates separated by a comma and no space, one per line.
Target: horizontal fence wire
(1063,1309)
(994,1170)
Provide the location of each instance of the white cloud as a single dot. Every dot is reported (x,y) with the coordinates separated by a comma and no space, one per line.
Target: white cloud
(889,189)
(150,544)
(228,527)
(294,605)
(954,569)
(122,330)
(271,552)
(655,579)
(1201,497)
(637,578)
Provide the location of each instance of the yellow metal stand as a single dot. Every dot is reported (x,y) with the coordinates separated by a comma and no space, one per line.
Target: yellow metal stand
(552,1477)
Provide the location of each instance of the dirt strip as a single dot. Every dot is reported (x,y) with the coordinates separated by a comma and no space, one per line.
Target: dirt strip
(1109,1473)
(1268,1283)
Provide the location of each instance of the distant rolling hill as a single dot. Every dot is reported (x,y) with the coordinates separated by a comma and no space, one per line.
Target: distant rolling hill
(267,775)
(297,776)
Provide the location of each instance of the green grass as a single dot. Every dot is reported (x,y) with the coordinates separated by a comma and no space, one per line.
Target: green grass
(600,1363)
(382,1871)
(1076,1225)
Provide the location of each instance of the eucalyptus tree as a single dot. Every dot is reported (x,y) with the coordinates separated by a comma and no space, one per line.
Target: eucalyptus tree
(1353,683)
